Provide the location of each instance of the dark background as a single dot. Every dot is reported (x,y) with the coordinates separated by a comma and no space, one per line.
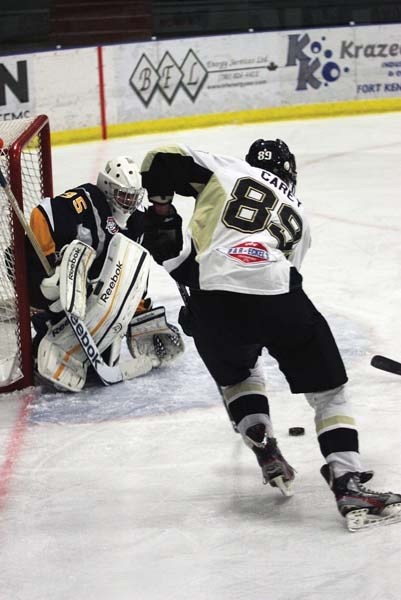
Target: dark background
(29,25)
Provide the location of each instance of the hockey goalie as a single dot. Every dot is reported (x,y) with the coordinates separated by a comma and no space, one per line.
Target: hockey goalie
(96,296)
(93,328)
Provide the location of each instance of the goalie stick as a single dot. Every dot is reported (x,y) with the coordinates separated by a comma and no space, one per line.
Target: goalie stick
(106,373)
(386,364)
(25,225)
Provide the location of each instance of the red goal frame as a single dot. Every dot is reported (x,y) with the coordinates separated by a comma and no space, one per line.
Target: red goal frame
(40,128)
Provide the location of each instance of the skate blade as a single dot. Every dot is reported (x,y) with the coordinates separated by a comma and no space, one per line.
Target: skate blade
(360,519)
(285,487)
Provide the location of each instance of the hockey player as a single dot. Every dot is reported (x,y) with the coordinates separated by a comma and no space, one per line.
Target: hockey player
(241,259)
(84,226)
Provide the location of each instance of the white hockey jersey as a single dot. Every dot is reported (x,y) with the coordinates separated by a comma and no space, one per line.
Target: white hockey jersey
(248,232)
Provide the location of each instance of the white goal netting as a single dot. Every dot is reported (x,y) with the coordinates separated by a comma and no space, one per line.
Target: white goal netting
(22,164)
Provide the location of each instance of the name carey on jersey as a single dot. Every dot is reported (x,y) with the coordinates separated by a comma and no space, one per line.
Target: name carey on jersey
(280,185)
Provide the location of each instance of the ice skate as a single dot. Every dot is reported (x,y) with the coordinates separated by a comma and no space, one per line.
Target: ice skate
(361,506)
(275,469)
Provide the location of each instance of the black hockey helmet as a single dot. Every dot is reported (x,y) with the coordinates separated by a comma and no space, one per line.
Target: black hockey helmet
(274,156)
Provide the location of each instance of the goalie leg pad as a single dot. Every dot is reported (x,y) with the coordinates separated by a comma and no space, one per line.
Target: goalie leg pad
(60,369)
(120,287)
(149,334)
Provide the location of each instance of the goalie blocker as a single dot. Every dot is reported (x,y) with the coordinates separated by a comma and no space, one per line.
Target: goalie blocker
(63,358)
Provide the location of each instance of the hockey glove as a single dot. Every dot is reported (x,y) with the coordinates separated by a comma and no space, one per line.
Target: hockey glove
(162,234)
(149,334)
(185,320)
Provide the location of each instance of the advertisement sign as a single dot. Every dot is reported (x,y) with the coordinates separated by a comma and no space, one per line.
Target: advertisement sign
(149,82)
(252,71)
(191,76)
(61,84)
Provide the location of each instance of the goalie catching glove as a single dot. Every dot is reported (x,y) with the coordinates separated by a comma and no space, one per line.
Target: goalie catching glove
(150,334)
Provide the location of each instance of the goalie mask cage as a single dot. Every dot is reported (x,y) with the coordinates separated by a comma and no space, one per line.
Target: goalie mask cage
(25,160)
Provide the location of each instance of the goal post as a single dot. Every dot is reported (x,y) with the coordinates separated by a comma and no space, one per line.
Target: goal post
(25,161)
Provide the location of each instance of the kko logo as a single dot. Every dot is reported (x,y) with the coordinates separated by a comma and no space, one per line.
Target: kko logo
(316,65)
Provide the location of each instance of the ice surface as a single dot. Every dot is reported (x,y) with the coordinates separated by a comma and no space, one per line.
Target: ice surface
(142,491)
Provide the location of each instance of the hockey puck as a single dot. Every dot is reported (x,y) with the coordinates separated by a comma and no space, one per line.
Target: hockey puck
(296,430)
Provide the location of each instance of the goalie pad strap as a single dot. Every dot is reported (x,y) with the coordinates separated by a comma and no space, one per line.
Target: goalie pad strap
(151,321)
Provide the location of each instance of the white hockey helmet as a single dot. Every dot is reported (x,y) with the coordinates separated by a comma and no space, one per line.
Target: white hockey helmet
(120,181)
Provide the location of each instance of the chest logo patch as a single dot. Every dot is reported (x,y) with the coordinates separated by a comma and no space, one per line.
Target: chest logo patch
(248,253)
(111,226)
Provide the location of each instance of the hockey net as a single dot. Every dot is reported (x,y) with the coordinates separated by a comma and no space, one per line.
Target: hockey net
(25,161)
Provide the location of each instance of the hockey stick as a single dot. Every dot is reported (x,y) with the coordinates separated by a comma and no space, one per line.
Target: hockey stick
(184,293)
(25,225)
(41,255)
(185,297)
(386,364)
(107,374)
